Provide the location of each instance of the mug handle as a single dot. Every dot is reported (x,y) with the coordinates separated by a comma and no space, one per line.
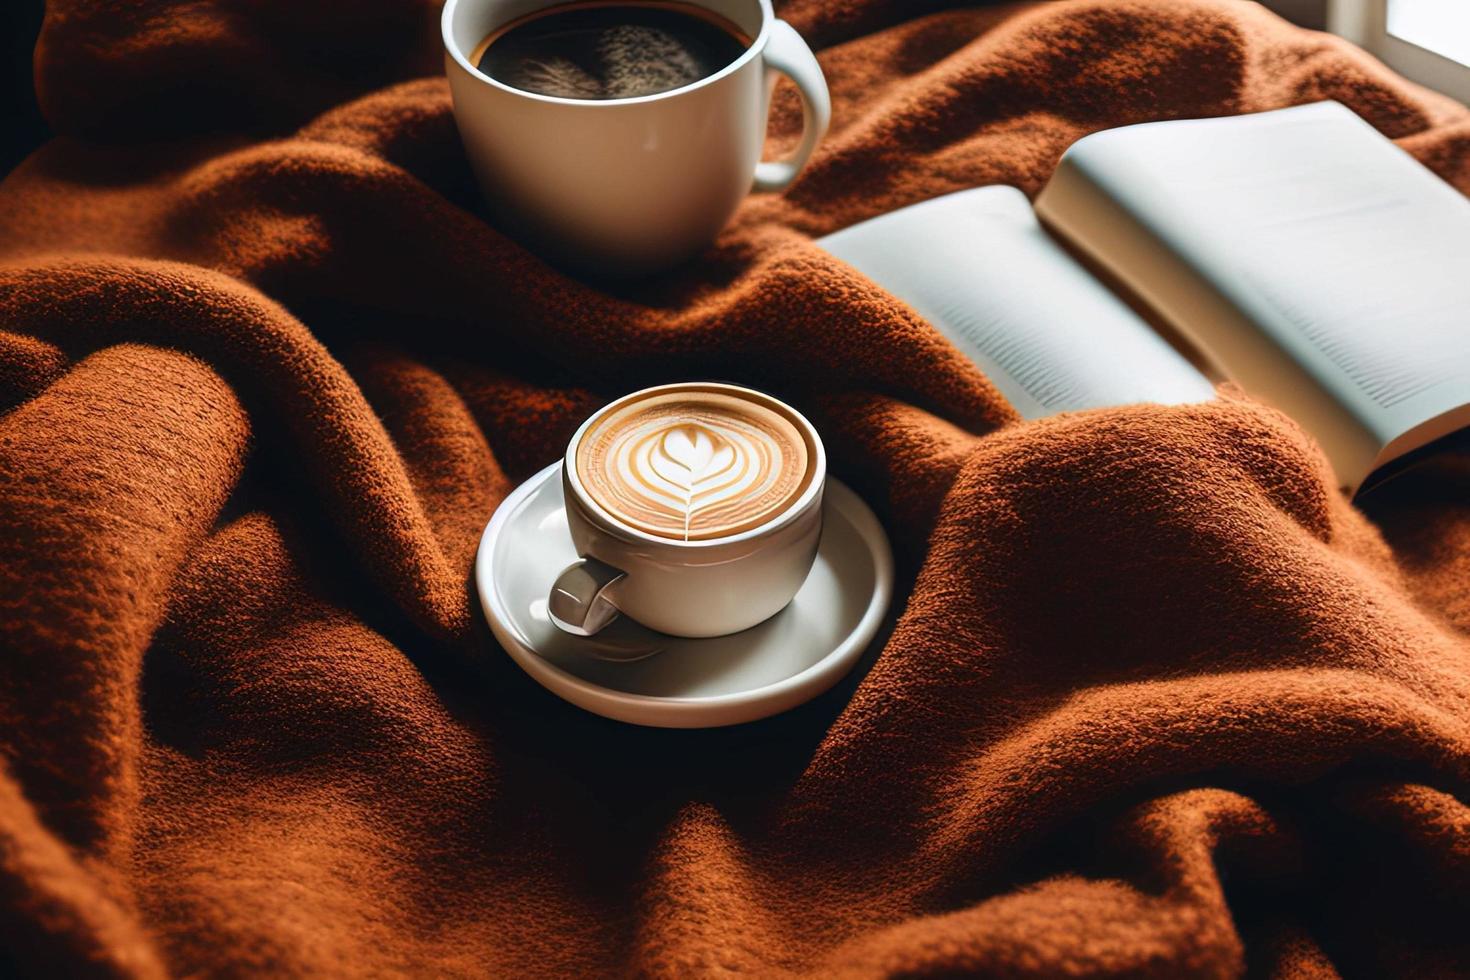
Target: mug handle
(788,54)
(579,603)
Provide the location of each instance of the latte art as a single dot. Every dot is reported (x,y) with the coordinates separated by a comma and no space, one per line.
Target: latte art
(694,465)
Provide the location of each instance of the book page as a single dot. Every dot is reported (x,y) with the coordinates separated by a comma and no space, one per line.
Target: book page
(978,266)
(1347,253)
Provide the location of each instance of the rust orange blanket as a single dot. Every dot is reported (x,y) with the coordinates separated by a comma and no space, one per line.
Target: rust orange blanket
(1154,698)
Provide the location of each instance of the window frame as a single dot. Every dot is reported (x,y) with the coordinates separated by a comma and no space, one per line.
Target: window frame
(1365,23)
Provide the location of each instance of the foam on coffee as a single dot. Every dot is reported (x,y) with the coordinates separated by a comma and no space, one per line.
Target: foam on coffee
(694,464)
(610,49)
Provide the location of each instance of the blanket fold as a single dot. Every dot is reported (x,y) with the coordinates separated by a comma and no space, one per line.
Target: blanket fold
(1154,698)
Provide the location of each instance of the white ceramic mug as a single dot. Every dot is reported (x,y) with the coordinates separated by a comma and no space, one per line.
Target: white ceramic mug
(629,186)
(707,587)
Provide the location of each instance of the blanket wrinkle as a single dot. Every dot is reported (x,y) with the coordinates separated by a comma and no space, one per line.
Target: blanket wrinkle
(1204,832)
(1154,700)
(155,453)
(66,914)
(345,447)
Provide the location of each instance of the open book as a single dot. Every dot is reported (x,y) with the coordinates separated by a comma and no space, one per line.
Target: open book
(1297,252)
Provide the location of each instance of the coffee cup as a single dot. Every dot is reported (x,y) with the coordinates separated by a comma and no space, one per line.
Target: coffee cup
(696,509)
(626,186)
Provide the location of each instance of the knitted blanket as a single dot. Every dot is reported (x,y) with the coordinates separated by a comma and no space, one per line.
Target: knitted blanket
(1154,698)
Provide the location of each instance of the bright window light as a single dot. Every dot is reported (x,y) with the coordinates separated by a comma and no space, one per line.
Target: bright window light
(1441,26)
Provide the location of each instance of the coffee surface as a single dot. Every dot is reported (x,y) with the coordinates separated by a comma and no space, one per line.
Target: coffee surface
(610,50)
(694,465)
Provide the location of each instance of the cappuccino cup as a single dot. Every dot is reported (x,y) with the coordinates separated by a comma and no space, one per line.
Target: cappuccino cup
(627,186)
(696,509)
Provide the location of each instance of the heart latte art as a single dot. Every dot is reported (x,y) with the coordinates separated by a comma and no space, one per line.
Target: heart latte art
(694,465)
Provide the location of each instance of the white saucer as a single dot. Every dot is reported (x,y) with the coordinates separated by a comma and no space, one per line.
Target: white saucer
(635,675)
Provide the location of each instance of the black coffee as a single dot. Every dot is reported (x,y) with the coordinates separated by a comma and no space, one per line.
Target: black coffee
(610,50)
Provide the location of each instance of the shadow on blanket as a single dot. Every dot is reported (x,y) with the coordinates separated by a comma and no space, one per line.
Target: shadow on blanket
(1156,699)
